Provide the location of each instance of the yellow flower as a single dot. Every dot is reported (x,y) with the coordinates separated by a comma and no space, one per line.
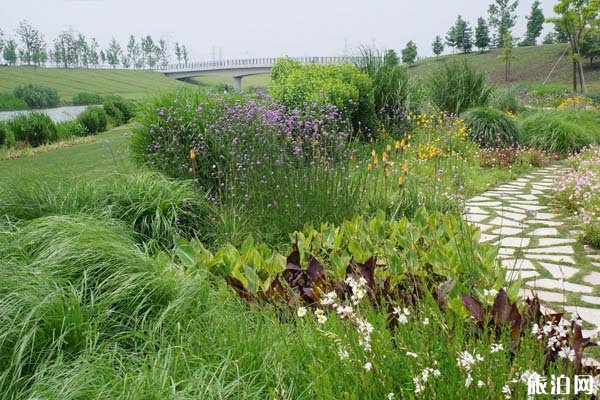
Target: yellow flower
(384,156)
(369,166)
(192,154)
(405,167)
(388,148)
(400,180)
(376,159)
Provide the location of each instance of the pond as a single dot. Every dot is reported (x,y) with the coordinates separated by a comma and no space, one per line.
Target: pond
(59,114)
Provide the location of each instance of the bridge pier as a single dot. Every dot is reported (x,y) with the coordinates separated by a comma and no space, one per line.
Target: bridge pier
(238,83)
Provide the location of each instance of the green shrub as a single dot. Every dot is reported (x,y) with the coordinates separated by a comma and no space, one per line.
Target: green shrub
(37,96)
(344,86)
(127,107)
(7,137)
(113,112)
(456,87)
(70,129)
(10,102)
(35,128)
(85,99)
(93,119)
(561,131)
(489,127)
(507,101)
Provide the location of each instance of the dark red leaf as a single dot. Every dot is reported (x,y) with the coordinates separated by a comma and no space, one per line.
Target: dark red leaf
(315,270)
(293,259)
(474,307)
(501,309)
(239,288)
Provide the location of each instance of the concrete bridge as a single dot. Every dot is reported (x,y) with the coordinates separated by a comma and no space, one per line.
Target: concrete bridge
(237,69)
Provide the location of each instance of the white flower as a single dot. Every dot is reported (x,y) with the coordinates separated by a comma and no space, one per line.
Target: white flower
(535,329)
(343,354)
(402,319)
(368,366)
(301,312)
(436,373)
(425,321)
(321,319)
(567,352)
(406,311)
(469,380)
(411,354)
(390,396)
(547,328)
(490,293)
(480,383)
(506,391)
(418,386)
(465,360)
(319,312)
(478,357)
(496,347)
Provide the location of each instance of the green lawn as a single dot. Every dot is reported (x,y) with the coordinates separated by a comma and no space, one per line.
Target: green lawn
(109,153)
(69,82)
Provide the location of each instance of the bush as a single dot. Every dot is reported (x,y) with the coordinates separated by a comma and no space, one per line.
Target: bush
(93,119)
(113,112)
(561,131)
(10,102)
(37,96)
(35,128)
(7,137)
(85,99)
(489,127)
(344,86)
(70,129)
(456,87)
(127,107)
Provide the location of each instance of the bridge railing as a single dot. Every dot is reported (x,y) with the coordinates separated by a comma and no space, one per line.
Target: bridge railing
(256,62)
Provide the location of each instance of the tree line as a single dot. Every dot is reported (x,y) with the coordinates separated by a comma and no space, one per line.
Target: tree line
(576,23)
(71,50)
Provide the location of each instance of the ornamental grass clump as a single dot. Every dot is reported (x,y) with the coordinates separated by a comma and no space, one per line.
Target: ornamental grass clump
(489,127)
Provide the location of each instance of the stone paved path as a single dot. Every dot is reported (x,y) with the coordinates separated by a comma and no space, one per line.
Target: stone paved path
(536,245)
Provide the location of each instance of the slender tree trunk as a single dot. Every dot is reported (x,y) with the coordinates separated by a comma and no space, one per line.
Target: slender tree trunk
(574,76)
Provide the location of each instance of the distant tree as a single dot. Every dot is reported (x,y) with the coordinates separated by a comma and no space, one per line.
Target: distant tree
(437,46)
(92,53)
(574,18)
(178,53)
(184,54)
(507,55)
(102,56)
(550,38)
(464,35)
(10,52)
(34,47)
(113,54)
(482,35)
(1,41)
(81,51)
(148,51)
(409,53)
(502,18)
(64,49)
(391,58)
(451,37)
(133,56)
(590,46)
(535,24)
(162,53)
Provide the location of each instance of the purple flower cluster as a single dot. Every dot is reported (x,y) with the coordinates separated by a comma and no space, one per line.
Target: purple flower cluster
(239,142)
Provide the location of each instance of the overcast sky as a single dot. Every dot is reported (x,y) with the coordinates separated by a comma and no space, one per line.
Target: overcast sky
(258,28)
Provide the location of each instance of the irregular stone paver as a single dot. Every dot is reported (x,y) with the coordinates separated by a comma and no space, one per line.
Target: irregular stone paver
(517,217)
(560,271)
(553,250)
(545,232)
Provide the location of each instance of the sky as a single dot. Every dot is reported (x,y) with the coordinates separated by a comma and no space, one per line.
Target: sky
(231,29)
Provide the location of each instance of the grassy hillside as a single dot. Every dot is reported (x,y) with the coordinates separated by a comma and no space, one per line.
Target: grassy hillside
(530,66)
(69,82)
(219,82)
